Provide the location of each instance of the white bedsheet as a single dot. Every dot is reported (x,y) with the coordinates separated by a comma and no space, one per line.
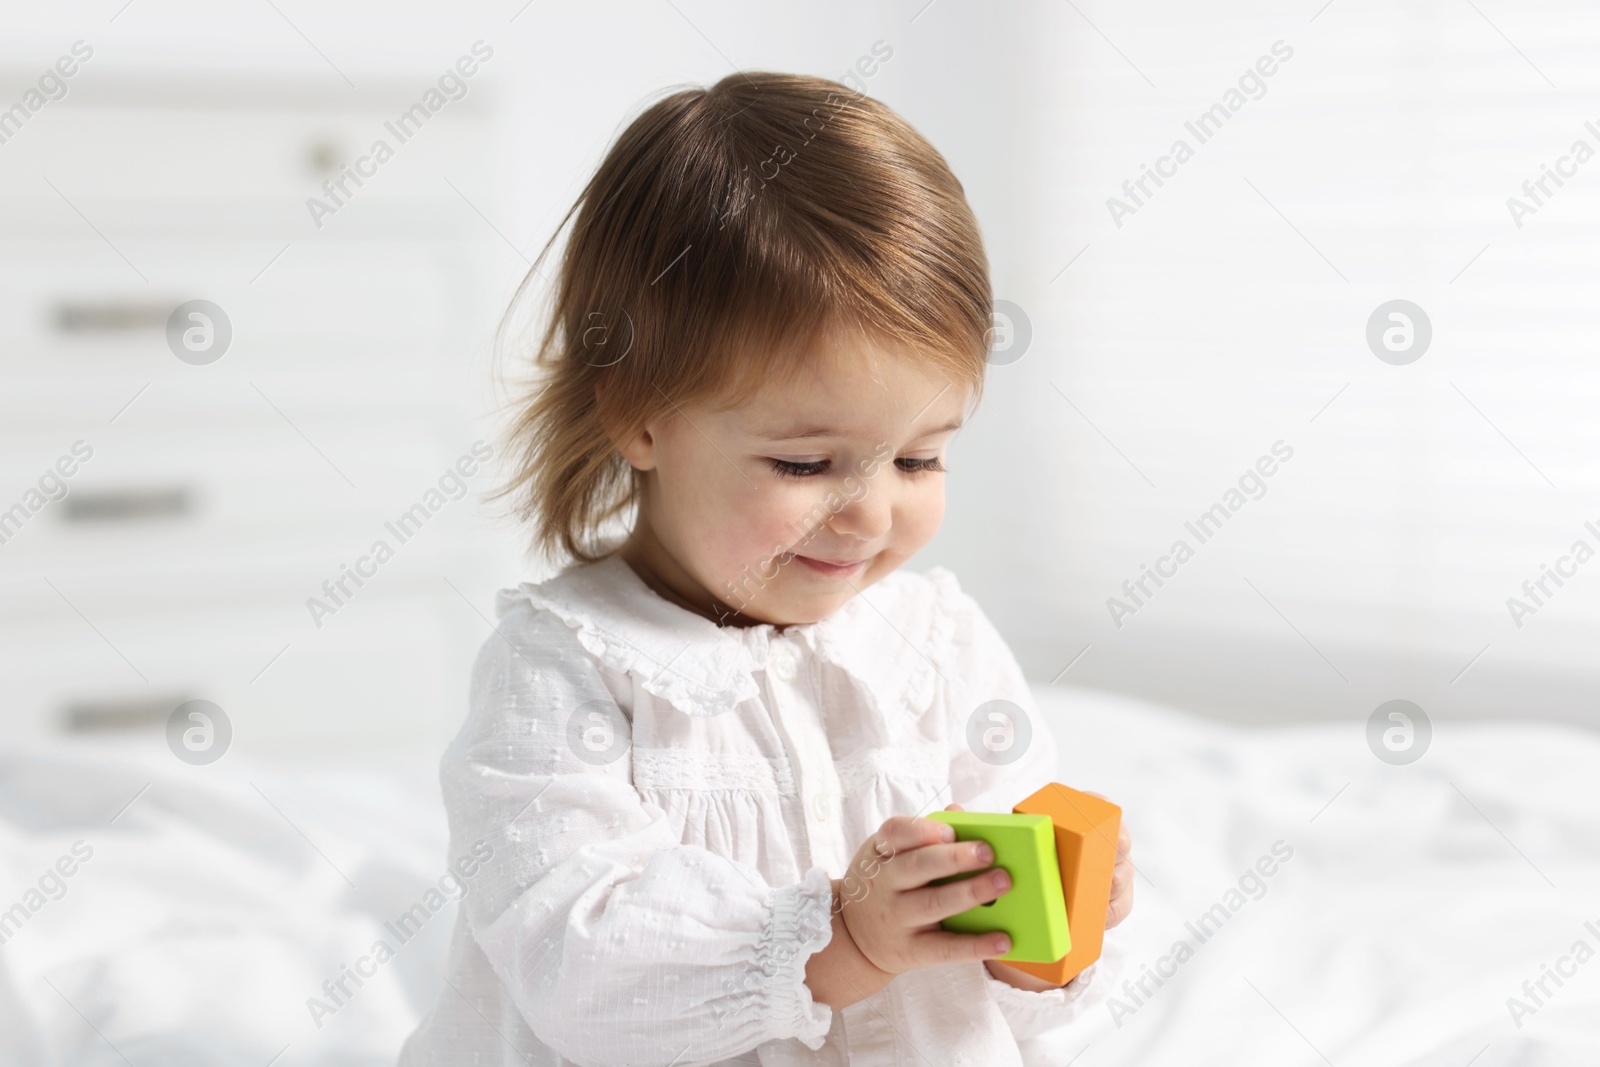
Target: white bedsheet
(1412,907)
(212,908)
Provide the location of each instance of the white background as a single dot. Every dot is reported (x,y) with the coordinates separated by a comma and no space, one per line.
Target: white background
(1226,314)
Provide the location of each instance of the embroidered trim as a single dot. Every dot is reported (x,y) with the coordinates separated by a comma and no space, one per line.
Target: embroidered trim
(662,679)
(927,609)
(673,768)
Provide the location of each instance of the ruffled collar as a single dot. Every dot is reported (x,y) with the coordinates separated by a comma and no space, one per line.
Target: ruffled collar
(888,637)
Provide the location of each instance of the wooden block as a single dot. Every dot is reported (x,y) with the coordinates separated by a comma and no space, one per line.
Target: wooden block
(1032,912)
(1086,829)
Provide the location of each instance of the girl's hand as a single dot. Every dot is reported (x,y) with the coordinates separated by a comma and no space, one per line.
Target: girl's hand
(1116,911)
(893,914)
(1121,880)
(1121,875)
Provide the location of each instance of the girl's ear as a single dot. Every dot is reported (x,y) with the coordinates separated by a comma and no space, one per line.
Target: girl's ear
(638,449)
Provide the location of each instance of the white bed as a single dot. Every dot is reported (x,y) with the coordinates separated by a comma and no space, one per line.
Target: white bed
(1413,905)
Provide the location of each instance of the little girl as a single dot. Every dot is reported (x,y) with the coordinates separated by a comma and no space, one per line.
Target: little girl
(699,757)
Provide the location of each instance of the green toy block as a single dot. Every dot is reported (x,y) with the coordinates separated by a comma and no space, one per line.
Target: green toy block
(1033,911)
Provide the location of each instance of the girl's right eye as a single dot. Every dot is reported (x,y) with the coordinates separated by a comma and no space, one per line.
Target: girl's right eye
(786,468)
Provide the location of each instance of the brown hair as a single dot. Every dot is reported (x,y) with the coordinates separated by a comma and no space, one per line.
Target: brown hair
(726,232)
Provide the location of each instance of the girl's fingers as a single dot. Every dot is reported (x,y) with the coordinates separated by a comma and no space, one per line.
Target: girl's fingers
(884,858)
(940,946)
(1119,908)
(917,868)
(902,833)
(932,903)
(1121,878)
(1121,893)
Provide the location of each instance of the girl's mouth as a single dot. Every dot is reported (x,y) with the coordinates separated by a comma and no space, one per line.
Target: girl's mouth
(832,570)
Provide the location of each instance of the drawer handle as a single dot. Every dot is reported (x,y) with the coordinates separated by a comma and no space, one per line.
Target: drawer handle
(134,713)
(109,316)
(126,505)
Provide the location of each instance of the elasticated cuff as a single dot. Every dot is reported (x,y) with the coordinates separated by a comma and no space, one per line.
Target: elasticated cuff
(1033,1012)
(800,925)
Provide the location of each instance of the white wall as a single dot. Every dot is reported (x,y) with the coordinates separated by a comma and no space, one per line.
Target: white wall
(1219,318)
(1228,311)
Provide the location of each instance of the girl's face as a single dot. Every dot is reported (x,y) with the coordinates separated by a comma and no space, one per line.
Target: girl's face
(781,510)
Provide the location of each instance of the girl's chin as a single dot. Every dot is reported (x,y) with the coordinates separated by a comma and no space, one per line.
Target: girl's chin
(789,607)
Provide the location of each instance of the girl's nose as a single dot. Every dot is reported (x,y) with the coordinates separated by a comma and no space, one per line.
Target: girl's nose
(866,519)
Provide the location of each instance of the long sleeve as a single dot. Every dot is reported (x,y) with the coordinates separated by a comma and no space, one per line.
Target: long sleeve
(1003,751)
(617,942)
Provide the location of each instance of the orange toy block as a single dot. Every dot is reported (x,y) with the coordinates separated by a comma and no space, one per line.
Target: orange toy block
(1086,849)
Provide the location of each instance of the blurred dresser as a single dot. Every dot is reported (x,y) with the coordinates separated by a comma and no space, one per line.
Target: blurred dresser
(180,558)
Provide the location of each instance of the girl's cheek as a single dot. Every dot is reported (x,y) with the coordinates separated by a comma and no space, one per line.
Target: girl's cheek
(749,533)
(922,514)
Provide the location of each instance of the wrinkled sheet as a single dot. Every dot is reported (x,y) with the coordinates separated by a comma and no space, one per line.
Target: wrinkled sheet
(1417,899)
(1414,902)
(213,907)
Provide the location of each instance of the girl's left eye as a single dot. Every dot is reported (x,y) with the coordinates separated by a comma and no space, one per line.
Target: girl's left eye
(789,469)
(786,468)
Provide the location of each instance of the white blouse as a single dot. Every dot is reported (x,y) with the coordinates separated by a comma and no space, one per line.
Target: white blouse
(663,801)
